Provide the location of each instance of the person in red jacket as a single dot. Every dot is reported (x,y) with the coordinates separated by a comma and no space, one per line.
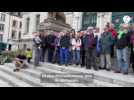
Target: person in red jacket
(114,33)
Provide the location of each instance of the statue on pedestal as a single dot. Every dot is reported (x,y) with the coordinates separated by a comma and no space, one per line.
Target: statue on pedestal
(58,16)
(56,22)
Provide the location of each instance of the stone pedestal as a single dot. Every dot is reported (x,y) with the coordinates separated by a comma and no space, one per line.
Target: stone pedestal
(52,25)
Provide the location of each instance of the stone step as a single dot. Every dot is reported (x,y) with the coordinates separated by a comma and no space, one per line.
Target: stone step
(37,71)
(54,69)
(102,75)
(29,79)
(11,80)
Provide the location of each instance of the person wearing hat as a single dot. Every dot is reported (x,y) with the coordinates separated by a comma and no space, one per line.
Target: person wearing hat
(105,44)
(122,42)
(89,46)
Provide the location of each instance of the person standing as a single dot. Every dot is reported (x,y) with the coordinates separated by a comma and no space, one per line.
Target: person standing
(132,46)
(89,45)
(57,49)
(82,50)
(122,42)
(64,50)
(111,29)
(28,54)
(37,48)
(77,43)
(70,56)
(51,47)
(105,42)
(43,46)
(73,43)
(132,50)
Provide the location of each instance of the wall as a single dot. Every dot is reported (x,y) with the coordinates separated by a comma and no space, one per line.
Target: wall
(6,29)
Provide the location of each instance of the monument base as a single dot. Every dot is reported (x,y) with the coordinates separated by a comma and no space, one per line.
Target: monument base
(52,25)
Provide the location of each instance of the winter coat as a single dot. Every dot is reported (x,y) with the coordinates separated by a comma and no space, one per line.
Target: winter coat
(65,41)
(123,42)
(51,41)
(106,41)
(76,44)
(89,41)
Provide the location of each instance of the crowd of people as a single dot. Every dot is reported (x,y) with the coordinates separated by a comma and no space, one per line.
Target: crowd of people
(87,48)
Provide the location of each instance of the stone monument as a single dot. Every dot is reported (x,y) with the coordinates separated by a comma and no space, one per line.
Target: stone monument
(56,22)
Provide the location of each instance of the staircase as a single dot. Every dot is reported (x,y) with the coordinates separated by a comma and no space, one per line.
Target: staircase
(31,77)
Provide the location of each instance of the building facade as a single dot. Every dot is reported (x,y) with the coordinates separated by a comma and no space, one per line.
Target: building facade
(10,28)
(15,31)
(77,20)
(4,27)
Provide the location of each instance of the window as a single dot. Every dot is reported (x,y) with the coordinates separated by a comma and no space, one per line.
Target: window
(20,24)
(14,23)
(1,38)
(2,27)
(13,34)
(37,21)
(2,17)
(27,24)
(19,35)
(89,19)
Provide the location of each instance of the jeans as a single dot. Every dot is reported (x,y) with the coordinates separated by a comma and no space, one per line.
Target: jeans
(43,51)
(105,61)
(57,55)
(64,55)
(122,59)
(90,58)
(36,56)
(82,58)
(77,55)
(70,57)
(50,54)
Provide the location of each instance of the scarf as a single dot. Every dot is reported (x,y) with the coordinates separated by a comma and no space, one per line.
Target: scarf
(121,33)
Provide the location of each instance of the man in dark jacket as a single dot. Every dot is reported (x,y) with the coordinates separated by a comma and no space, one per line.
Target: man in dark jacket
(51,47)
(106,42)
(122,42)
(43,46)
(89,45)
(82,49)
(64,50)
